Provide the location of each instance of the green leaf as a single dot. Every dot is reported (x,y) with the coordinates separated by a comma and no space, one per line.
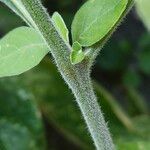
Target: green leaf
(77,55)
(15,137)
(143,9)
(61,26)
(135,141)
(21,50)
(95,19)
(134,145)
(21,125)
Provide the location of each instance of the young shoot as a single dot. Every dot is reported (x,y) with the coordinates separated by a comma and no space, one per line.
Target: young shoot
(24,47)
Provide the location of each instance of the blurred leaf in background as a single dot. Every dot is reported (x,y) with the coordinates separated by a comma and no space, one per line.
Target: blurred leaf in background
(21,125)
(143,10)
(115,55)
(144,54)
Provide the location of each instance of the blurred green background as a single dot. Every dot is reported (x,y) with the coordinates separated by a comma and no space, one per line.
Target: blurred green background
(38,111)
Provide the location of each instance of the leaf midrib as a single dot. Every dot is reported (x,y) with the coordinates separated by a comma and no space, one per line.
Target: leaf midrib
(20,49)
(86,29)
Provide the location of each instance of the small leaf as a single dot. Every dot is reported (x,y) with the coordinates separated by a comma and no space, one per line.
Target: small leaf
(95,19)
(21,50)
(77,55)
(60,26)
(143,9)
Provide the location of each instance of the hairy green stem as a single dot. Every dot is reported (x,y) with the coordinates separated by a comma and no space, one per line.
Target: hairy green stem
(87,101)
(77,77)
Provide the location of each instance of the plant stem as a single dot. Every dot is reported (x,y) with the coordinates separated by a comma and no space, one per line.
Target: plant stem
(87,101)
(77,77)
